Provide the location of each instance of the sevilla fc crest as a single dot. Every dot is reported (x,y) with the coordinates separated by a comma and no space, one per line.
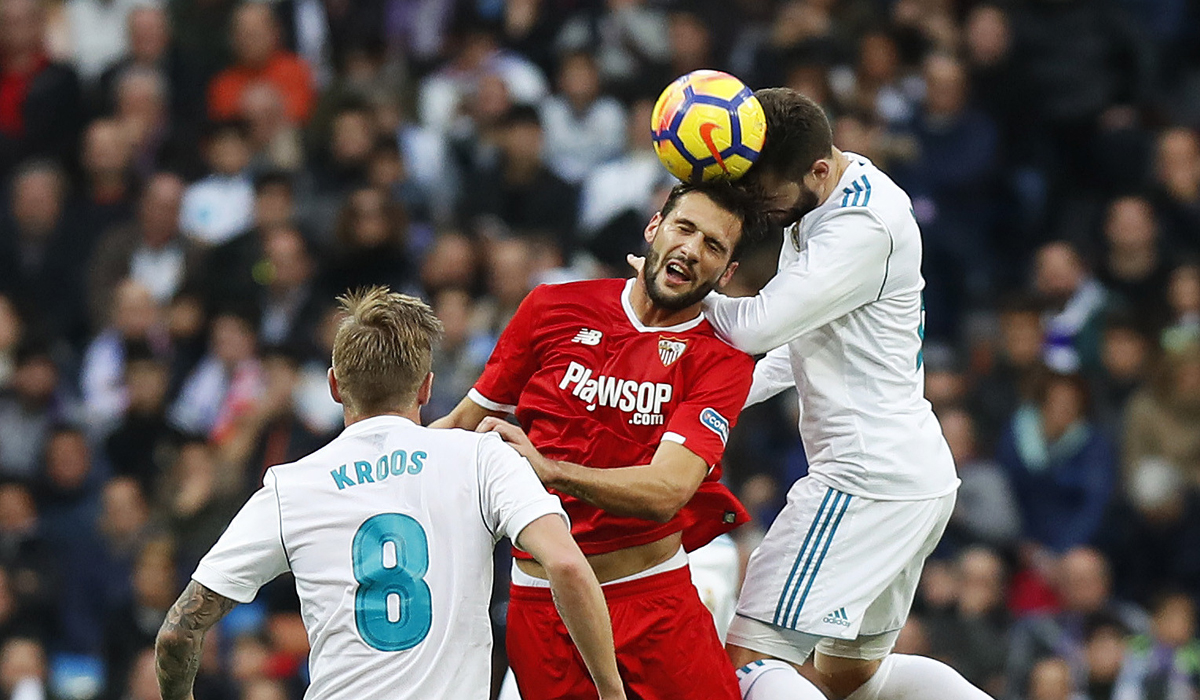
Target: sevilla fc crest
(670,349)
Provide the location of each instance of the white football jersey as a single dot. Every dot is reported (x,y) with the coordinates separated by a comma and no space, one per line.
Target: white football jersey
(389,531)
(843,319)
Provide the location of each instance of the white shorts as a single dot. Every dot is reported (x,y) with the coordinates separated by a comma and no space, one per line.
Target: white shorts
(838,567)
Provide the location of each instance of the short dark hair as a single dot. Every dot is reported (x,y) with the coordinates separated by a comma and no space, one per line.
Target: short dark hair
(742,200)
(798,134)
(274,178)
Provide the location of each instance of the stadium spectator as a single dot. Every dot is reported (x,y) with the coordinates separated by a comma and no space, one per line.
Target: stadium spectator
(583,128)
(289,303)
(1183,295)
(1177,188)
(462,353)
(99,34)
(156,141)
(274,138)
(951,181)
(23,672)
(107,193)
(132,621)
(135,317)
(1127,355)
(142,443)
(199,498)
(151,49)
(447,92)
(149,250)
(341,167)
(41,113)
(1163,419)
(986,510)
(625,36)
(1134,270)
(38,262)
(1062,468)
(258,56)
(1008,381)
(520,193)
(226,381)
(972,622)
(1165,662)
(371,236)
(617,196)
(220,206)
(1075,301)
(1082,583)
(29,410)
(452,263)
(272,431)
(32,569)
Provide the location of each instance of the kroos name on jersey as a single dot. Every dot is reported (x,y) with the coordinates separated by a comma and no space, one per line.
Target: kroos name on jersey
(644,399)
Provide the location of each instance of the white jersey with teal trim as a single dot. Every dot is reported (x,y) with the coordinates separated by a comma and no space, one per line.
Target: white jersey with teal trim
(843,319)
(389,531)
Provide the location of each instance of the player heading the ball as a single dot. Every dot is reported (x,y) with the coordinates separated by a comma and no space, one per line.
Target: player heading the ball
(626,396)
(389,532)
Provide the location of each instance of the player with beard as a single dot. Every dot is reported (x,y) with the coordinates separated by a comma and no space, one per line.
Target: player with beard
(843,321)
(627,397)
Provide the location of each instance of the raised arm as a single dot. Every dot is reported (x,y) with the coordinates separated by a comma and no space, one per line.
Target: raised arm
(181,638)
(843,266)
(578,597)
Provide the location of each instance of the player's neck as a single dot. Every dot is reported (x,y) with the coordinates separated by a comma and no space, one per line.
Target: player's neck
(840,162)
(413,414)
(653,316)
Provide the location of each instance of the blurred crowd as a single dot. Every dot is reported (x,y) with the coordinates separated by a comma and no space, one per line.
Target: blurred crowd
(187,185)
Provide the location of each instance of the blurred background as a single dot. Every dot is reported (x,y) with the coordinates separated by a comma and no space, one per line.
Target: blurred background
(186,185)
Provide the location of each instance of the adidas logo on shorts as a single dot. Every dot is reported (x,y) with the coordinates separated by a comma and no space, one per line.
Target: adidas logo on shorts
(838,617)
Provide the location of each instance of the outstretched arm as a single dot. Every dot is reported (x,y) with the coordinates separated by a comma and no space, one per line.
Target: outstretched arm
(654,491)
(181,638)
(578,598)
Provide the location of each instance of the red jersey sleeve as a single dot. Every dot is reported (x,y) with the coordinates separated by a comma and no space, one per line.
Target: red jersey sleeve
(513,361)
(705,416)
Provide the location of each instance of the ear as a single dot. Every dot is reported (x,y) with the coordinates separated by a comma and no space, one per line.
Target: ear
(426,391)
(822,168)
(728,274)
(652,227)
(333,387)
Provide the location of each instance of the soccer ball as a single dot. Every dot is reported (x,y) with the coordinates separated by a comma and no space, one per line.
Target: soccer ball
(707,125)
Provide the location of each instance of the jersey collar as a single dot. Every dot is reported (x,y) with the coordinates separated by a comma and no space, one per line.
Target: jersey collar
(642,328)
(375,423)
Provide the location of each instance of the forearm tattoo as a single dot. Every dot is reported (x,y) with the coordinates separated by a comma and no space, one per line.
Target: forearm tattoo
(177,649)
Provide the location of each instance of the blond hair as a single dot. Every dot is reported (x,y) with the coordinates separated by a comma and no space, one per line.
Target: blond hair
(383,349)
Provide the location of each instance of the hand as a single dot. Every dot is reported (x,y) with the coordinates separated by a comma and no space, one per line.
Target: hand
(637,262)
(513,435)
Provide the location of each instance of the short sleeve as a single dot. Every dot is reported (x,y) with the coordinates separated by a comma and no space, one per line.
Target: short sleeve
(250,552)
(708,412)
(513,361)
(510,494)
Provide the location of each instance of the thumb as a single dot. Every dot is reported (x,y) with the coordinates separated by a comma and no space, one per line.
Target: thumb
(637,262)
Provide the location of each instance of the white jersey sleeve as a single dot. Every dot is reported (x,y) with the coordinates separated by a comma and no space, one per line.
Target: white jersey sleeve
(250,552)
(843,266)
(772,374)
(511,496)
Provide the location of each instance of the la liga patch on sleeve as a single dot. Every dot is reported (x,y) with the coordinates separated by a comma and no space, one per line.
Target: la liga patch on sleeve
(715,422)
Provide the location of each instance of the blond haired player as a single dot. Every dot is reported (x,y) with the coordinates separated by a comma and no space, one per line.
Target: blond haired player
(389,531)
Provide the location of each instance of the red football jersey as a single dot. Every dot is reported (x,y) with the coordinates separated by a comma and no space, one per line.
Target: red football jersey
(591,385)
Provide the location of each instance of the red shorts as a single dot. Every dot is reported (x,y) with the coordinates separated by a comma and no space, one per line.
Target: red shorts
(667,646)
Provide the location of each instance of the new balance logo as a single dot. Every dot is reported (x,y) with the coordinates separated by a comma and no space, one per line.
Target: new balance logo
(587,336)
(838,617)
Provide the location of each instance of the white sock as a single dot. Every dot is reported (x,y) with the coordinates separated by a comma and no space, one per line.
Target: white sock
(905,677)
(772,679)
